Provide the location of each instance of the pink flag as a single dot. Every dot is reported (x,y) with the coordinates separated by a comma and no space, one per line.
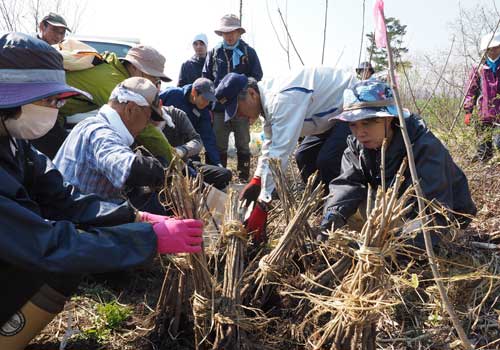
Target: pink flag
(380,30)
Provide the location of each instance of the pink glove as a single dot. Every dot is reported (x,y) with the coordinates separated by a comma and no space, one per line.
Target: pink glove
(179,236)
(144,216)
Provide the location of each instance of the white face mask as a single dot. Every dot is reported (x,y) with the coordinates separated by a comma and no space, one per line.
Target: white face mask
(34,122)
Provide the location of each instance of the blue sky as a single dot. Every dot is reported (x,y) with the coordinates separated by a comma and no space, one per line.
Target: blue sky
(170,25)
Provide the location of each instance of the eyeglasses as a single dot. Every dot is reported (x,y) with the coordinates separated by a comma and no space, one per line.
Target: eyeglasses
(53,102)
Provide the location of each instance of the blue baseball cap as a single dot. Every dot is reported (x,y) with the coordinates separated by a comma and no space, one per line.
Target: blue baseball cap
(368,99)
(227,92)
(31,70)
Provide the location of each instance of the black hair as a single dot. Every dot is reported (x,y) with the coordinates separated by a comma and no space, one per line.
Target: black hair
(252,83)
(6,113)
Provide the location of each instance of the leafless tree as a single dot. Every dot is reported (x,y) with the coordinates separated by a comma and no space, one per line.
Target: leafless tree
(25,15)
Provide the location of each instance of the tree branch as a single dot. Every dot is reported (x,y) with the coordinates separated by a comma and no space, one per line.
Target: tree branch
(290,37)
(421,206)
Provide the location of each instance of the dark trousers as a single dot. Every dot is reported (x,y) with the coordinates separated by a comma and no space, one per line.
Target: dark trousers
(19,286)
(323,152)
(489,138)
(214,175)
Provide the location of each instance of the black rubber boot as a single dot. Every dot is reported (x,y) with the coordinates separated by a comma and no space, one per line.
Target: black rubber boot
(223,159)
(243,167)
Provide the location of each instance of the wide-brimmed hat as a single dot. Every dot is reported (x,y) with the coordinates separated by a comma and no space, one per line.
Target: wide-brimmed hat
(31,70)
(147,60)
(486,43)
(229,23)
(227,93)
(365,65)
(56,20)
(368,99)
(142,92)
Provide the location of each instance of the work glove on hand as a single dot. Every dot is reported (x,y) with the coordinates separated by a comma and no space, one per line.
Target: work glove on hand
(256,222)
(331,221)
(251,192)
(467,118)
(144,216)
(179,236)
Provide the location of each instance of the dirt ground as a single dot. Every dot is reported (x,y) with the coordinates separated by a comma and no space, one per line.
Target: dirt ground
(129,298)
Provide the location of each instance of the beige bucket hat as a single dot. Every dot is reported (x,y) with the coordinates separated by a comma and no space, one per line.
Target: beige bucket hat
(148,60)
(229,23)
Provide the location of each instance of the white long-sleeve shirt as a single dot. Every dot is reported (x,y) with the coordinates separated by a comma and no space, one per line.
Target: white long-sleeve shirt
(299,104)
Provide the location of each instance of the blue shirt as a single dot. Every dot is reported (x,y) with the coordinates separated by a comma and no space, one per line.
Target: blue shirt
(96,156)
(179,98)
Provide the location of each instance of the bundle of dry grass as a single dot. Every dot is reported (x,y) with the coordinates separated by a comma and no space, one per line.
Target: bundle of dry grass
(230,319)
(355,305)
(187,198)
(292,240)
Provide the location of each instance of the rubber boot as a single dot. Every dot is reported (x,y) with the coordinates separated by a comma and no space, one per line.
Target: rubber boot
(223,159)
(243,167)
(31,319)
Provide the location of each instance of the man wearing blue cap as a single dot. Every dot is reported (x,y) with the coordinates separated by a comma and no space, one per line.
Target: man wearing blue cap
(370,112)
(49,233)
(299,104)
(194,99)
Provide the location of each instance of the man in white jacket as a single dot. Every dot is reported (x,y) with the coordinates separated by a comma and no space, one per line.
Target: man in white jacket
(299,104)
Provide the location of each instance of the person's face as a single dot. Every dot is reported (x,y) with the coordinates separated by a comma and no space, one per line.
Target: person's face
(232,37)
(51,34)
(371,132)
(364,74)
(198,100)
(136,117)
(494,52)
(249,107)
(136,72)
(200,49)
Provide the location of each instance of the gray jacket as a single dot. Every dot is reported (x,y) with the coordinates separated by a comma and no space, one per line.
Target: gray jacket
(181,133)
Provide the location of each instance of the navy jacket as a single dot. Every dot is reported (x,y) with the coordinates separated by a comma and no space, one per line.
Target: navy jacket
(200,119)
(216,65)
(441,179)
(46,227)
(191,70)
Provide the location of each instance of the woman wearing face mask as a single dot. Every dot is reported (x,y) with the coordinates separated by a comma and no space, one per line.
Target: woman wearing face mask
(484,92)
(370,110)
(50,235)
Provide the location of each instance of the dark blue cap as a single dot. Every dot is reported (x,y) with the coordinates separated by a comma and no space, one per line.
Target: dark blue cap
(227,92)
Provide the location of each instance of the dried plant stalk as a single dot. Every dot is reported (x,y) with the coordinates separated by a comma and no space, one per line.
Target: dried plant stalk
(363,295)
(229,334)
(187,197)
(270,265)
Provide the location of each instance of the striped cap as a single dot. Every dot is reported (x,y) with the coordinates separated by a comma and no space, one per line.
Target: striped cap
(30,70)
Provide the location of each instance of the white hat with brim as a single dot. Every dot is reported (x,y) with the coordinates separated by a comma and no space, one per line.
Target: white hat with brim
(490,40)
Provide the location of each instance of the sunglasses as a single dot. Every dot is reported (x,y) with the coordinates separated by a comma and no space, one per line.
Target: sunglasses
(54,102)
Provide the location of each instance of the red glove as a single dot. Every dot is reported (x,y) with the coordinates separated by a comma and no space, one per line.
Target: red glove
(256,223)
(251,191)
(467,118)
(179,236)
(144,216)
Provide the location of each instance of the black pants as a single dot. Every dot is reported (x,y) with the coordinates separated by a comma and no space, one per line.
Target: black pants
(323,152)
(19,285)
(214,175)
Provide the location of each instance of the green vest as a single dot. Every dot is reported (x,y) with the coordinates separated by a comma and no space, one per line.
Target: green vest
(99,81)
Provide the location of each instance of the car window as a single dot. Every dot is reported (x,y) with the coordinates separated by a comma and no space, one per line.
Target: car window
(119,49)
